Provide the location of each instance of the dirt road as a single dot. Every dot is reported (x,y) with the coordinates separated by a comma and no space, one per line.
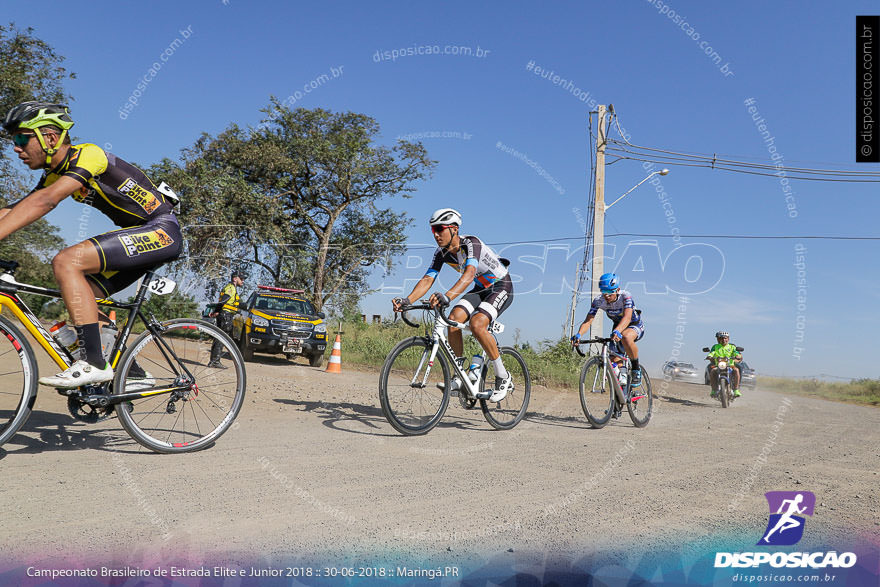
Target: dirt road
(315,471)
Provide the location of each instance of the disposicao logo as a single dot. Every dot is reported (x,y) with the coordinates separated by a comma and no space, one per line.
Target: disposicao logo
(786,524)
(784,528)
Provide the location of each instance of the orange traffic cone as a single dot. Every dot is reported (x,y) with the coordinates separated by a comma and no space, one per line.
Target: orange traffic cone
(334,365)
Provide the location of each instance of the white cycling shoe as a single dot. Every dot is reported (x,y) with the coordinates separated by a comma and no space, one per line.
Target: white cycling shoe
(79,374)
(502,388)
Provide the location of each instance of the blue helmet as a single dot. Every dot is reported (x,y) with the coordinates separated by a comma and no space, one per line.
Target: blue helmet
(609,283)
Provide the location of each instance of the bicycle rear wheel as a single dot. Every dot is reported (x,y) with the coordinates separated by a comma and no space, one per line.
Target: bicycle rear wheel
(507,413)
(597,392)
(18,380)
(192,418)
(641,401)
(412,392)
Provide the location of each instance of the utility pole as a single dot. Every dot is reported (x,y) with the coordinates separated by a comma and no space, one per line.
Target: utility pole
(574,297)
(598,264)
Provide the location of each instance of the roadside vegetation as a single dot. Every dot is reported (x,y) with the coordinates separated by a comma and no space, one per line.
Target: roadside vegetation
(857,391)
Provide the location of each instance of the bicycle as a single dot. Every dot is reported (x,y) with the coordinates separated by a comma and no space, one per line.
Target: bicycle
(414,394)
(602,395)
(181,406)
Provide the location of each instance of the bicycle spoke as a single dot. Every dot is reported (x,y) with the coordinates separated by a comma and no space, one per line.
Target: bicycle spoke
(200,409)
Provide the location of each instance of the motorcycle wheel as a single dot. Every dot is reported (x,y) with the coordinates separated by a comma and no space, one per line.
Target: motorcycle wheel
(723,391)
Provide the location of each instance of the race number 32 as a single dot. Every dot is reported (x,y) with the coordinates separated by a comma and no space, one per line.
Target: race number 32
(161,286)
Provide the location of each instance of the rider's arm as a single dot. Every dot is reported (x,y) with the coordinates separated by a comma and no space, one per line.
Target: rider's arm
(36,205)
(585,325)
(463,282)
(624,320)
(421,288)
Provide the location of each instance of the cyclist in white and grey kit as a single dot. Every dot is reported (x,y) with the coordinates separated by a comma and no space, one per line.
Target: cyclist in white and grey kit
(492,290)
(621,309)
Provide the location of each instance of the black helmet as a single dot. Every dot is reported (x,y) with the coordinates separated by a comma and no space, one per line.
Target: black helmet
(33,115)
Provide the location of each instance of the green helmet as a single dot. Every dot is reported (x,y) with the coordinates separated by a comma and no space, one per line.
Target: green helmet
(34,114)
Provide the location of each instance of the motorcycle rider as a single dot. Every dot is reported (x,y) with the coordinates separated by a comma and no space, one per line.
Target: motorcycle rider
(723,349)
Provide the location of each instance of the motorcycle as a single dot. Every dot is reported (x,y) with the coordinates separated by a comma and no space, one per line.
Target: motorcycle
(725,367)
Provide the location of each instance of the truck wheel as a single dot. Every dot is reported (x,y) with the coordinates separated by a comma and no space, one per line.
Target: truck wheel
(316,360)
(247,351)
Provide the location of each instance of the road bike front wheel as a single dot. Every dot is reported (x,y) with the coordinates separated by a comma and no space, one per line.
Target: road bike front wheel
(507,413)
(597,392)
(413,392)
(641,401)
(206,399)
(18,380)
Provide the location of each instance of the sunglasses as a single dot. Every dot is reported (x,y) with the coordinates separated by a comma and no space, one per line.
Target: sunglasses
(21,139)
(440,228)
(609,293)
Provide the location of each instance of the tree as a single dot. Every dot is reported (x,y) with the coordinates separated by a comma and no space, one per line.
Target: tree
(298,196)
(29,70)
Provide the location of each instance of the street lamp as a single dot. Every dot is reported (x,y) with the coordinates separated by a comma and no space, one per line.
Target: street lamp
(652,174)
(598,262)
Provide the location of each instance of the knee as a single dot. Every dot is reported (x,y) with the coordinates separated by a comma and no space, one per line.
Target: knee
(479,321)
(62,262)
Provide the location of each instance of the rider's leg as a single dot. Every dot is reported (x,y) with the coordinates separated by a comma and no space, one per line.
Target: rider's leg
(456,341)
(632,351)
(734,380)
(480,328)
(713,379)
(629,344)
(71,266)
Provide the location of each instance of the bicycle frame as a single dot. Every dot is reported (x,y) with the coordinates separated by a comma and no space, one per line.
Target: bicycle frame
(438,336)
(9,298)
(607,353)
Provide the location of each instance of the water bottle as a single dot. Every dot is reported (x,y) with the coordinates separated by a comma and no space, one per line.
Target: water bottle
(108,338)
(475,368)
(66,337)
(622,377)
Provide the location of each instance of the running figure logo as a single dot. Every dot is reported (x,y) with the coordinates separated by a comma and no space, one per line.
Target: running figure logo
(786,524)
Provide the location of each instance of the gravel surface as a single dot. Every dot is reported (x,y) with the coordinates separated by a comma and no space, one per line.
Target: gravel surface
(315,471)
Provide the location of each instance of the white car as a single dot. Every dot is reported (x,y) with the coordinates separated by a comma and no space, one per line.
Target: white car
(679,371)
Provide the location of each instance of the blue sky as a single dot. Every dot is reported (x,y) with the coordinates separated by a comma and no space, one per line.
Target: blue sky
(796,61)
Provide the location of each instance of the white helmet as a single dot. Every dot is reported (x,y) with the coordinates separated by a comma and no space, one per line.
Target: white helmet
(445,216)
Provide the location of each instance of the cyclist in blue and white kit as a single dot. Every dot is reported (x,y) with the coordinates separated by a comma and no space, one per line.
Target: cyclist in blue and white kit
(492,291)
(628,325)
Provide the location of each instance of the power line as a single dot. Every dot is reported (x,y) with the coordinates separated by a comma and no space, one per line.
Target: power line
(680,236)
(626,150)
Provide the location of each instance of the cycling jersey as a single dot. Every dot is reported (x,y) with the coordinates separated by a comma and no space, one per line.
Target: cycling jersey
(723,350)
(471,252)
(116,188)
(615,309)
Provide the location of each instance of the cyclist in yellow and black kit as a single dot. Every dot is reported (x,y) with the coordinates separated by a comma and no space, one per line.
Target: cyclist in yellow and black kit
(149,233)
(225,310)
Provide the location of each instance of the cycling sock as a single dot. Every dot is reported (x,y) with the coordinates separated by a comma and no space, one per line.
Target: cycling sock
(500,371)
(89,336)
(635,364)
